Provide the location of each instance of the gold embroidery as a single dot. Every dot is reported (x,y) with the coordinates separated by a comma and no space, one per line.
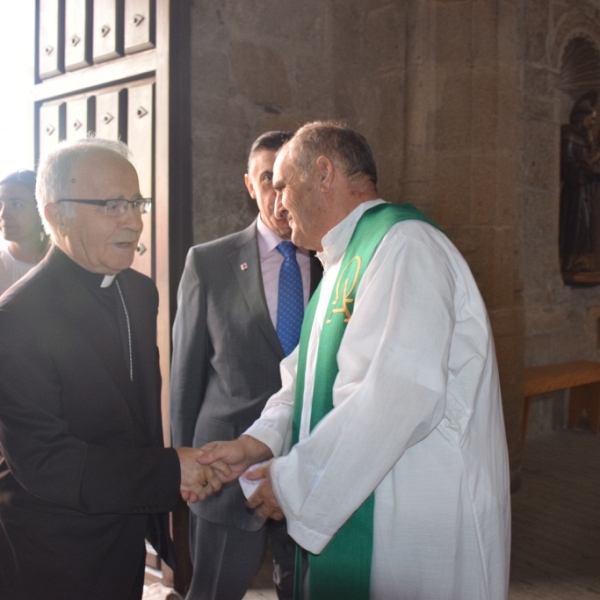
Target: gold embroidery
(349,278)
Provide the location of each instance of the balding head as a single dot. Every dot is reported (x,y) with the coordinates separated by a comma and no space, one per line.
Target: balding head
(320,176)
(347,148)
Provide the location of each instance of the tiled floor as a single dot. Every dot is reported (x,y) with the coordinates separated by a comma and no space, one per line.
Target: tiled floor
(556,519)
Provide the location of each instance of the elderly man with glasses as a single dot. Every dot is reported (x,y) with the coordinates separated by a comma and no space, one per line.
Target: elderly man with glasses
(84,476)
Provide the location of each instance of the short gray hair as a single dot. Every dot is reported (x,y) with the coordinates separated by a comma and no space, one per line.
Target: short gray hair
(55,167)
(344,146)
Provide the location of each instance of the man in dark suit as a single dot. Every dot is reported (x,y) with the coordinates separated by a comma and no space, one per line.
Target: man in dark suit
(226,354)
(84,476)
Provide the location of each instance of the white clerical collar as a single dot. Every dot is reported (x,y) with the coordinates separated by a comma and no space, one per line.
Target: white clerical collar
(107,281)
(336,240)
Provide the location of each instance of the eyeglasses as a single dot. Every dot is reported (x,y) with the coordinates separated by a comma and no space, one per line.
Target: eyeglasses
(117,207)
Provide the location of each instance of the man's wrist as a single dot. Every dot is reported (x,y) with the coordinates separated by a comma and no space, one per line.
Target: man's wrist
(255,450)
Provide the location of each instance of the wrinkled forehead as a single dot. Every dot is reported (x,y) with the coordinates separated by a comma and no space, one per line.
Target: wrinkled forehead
(98,160)
(101,169)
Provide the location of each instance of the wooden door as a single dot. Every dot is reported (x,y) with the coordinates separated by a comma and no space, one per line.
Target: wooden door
(106,67)
(140,136)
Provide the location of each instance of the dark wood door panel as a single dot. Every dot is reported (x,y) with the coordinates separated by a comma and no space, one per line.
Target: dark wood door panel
(51,124)
(140,139)
(81,117)
(51,36)
(140,25)
(78,34)
(111,115)
(108,30)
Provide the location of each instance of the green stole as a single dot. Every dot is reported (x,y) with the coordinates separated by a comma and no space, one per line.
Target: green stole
(343,570)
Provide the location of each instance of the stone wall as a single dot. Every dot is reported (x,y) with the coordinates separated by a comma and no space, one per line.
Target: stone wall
(265,65)
(474,191)
(455,97)
(561,322)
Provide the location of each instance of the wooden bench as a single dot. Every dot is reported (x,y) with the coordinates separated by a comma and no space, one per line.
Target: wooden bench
(582,376)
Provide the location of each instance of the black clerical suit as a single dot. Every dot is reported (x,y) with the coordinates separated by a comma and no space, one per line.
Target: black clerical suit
(84,477)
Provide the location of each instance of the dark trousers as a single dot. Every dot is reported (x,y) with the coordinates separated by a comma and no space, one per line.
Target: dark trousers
(226,559)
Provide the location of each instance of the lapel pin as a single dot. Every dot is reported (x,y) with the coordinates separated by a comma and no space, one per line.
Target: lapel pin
(244,266)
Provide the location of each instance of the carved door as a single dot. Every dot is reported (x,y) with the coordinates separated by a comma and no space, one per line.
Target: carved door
(106,66)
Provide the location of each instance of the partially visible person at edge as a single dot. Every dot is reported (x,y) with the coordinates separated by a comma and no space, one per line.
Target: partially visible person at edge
(396,483)
(226,355)
(25,242)
(84,476)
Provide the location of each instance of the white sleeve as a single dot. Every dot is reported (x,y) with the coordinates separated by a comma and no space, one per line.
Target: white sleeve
(390,390)
(274,427)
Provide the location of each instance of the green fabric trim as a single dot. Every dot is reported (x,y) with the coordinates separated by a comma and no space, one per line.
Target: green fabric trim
(343,570)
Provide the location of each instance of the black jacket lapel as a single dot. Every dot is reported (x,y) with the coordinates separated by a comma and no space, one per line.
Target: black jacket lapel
(76,304)
(142,311)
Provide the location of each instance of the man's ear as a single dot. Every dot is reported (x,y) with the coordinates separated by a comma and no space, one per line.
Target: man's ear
(324,170)
(55,216)
(249,186)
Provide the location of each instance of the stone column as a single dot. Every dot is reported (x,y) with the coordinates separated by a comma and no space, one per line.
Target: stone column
(419,161)
(475,149)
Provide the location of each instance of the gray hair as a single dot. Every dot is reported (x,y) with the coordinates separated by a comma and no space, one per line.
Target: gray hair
(56,165)
(347,148)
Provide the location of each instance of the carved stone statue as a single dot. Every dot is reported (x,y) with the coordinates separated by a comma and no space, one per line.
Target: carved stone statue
(579,185)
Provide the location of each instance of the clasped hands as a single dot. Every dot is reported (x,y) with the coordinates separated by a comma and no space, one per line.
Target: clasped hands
(221,462)
(198,481)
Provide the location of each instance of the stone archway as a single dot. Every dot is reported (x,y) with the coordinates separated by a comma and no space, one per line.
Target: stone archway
(579,72)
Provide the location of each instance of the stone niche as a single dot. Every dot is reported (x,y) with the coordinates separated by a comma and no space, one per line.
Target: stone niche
(559,60)
(578,87)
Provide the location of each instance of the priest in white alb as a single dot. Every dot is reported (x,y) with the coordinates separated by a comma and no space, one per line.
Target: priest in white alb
(386,446)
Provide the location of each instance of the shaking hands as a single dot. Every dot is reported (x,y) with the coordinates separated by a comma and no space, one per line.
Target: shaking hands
(200,481)
(205,470)
(222,462)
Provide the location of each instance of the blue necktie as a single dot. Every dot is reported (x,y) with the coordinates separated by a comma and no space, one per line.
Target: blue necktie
(290,304)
